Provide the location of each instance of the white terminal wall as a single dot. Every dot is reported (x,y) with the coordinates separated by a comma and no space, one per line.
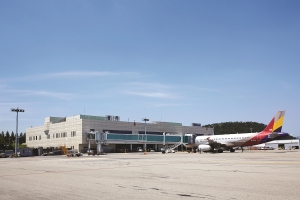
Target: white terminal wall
(41,132)
(82,126)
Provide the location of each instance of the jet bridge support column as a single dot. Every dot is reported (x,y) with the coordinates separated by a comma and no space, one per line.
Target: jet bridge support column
(181,140)
(89,147)
(90,136)
(99,149)
(99,140)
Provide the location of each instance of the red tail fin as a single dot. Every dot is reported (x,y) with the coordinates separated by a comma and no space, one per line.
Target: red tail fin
(269,127)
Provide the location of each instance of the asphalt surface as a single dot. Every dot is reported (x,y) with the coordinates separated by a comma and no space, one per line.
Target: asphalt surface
(249,175)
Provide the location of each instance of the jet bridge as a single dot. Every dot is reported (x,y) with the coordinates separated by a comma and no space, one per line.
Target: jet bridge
(114,138)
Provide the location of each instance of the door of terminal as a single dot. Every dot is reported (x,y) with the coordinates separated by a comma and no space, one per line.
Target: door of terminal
(142,138)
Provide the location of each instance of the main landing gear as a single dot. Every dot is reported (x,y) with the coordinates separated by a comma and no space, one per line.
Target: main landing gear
(217,151)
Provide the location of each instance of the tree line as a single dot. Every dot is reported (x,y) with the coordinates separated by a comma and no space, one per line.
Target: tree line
(7,140)
(239,127)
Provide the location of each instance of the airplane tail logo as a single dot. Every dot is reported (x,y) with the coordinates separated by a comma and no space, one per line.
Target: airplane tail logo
(275,124)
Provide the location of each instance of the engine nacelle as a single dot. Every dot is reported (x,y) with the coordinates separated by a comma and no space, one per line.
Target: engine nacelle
(204,147)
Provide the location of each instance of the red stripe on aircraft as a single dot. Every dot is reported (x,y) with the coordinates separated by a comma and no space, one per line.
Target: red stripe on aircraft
(258,137)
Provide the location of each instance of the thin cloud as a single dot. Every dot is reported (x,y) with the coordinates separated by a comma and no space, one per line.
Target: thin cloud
(2,86)
(16,103)
(204,89)
(160,86)
(118,5)
(156,86)
(73,74)
(85,74)
(60,95)
(238,97)
(209,89)
(166,105)
(153,90)
(151,94)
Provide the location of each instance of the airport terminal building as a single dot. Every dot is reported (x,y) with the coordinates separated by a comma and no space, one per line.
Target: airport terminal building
(73,133)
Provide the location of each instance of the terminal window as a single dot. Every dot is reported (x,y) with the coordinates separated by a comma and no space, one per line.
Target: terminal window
(73,133)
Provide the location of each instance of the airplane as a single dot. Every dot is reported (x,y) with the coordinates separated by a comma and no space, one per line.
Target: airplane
(220,143)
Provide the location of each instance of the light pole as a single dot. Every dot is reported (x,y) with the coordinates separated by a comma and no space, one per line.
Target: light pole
(145,120)
(17,110)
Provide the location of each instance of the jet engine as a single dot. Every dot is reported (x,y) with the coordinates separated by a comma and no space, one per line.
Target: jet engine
(204,147)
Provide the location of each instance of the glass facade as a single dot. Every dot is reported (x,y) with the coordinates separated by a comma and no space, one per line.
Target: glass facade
(146,138)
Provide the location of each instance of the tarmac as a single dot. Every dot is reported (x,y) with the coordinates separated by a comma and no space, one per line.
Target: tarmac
(272,174)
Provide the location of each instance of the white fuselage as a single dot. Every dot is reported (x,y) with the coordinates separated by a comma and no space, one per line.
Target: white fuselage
(231,140)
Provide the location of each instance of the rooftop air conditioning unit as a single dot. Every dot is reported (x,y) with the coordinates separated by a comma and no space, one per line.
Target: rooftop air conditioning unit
(109,117)
(116,118)
(196,124)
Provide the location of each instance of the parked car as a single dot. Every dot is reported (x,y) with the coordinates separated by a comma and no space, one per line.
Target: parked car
(76,154)
(91,152)
(139,149)
(2,155)
(9,153)
(171,151)
(167,150)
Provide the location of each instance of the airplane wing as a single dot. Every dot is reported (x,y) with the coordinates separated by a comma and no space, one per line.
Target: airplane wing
(217,144)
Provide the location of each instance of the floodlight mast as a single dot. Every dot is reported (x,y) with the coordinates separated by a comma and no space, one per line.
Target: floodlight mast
(145,120)
(17,110)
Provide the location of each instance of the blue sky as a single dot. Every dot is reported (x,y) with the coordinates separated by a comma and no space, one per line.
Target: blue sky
(176,61)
